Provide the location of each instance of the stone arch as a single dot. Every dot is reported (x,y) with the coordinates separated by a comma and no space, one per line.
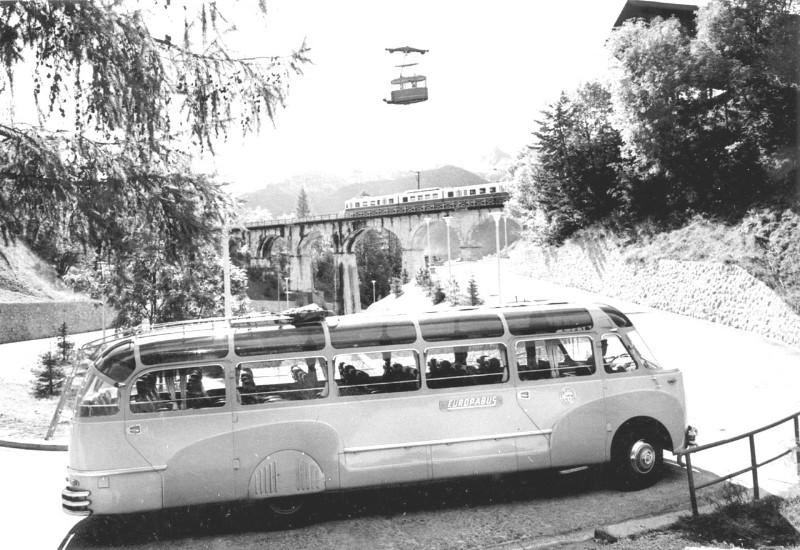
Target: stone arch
(483,234)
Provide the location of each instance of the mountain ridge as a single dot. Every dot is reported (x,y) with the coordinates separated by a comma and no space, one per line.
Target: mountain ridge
(327,195)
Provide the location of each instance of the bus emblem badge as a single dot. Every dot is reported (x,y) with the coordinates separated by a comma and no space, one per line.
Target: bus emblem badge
(568,396)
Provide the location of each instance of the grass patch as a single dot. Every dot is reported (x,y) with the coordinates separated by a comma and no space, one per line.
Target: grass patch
(770,521)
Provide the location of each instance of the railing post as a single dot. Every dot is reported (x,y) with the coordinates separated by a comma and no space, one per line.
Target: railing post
(692,492)
(754,465)
(797,442)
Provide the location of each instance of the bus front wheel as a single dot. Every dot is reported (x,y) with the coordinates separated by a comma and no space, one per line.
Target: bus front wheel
(637,460)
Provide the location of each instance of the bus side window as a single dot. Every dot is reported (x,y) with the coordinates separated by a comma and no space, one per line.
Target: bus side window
(281,380)
(179,389)
(574,355)
(377,372)
(457,366)
(555,358)
(532,360)
(616,357)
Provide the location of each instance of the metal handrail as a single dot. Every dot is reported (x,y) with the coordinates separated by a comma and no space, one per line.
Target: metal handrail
(754,464)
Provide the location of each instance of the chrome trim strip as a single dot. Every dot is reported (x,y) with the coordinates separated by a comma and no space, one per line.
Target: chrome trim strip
(121,471)
(77,512)
(443,441)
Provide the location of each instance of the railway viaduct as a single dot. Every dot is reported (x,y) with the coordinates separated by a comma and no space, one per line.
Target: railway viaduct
(422,229)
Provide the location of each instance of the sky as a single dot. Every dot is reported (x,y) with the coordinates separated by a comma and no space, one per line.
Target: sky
(492,66)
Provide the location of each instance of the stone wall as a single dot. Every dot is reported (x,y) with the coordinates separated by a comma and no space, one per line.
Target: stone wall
(717,292)
(34,320)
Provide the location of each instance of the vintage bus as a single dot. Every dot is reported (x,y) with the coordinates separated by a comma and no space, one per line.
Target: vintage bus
(279,407)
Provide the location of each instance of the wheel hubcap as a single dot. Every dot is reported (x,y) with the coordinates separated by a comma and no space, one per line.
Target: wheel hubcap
(643,457)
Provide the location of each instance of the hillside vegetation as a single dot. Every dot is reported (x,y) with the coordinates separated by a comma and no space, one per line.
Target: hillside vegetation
(24,277)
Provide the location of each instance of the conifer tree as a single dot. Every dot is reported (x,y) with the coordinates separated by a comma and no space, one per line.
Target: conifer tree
(472,292)
(49,378)
(396,286)
(63,344)
(302,210)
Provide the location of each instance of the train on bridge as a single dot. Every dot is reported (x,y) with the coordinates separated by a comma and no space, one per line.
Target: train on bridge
(430,198)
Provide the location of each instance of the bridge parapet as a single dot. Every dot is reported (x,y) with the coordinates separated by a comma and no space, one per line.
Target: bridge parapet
(440,205)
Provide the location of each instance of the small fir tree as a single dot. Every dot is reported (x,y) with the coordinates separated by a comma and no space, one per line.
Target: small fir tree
(302,210)
(453,291)
(49,378)
(423,280)
(472,292)
(437,294)
(396,285)
(63,344)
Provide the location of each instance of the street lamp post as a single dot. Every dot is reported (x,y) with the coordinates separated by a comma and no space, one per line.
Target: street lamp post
(373,291)
(287,291)
(497,216)
(428,223)
(447,220)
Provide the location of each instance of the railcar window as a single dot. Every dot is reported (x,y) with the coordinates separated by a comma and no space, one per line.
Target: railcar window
(118,363)
(279,339)
(492,189)
(377,372)
(471,191)
(391,333)
(525,323)
(555,358)
(460,327)
(202,348)
(617,358)
(178,389)
(282,380)
(458,366)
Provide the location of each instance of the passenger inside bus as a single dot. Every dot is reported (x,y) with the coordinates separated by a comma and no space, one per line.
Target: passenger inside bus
(143,400)
(248,390)
(196,396)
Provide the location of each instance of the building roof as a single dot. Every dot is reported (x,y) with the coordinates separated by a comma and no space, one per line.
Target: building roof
(647,10)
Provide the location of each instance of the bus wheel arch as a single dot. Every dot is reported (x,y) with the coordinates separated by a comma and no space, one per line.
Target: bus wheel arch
(637,453)
(286,475)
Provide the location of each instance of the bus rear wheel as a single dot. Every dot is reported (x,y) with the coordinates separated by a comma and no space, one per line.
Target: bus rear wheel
(637,460)
(286,506)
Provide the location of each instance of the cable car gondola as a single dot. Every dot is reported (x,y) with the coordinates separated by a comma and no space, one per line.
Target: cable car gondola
(410,89)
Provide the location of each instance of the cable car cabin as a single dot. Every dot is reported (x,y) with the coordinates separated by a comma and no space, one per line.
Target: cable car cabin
(412,89)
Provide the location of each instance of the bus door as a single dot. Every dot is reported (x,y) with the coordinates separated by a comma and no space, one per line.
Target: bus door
(474,424)
(633,377)
(561,392)
(179,420)
(381,418)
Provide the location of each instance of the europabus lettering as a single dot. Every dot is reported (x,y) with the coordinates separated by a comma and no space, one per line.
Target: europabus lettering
(470,402)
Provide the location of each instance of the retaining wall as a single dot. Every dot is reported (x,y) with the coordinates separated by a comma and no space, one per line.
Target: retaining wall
(34,320)
(717,292)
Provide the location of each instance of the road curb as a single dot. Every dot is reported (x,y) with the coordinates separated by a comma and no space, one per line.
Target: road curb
(33,445)
(640,526)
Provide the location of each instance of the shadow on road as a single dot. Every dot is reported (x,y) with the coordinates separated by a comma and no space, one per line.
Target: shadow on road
(496,493)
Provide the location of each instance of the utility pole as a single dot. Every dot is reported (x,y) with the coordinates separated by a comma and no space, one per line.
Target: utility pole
(417,173)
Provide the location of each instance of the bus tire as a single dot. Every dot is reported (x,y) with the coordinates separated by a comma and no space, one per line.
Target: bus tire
(285,507)
(637,460)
